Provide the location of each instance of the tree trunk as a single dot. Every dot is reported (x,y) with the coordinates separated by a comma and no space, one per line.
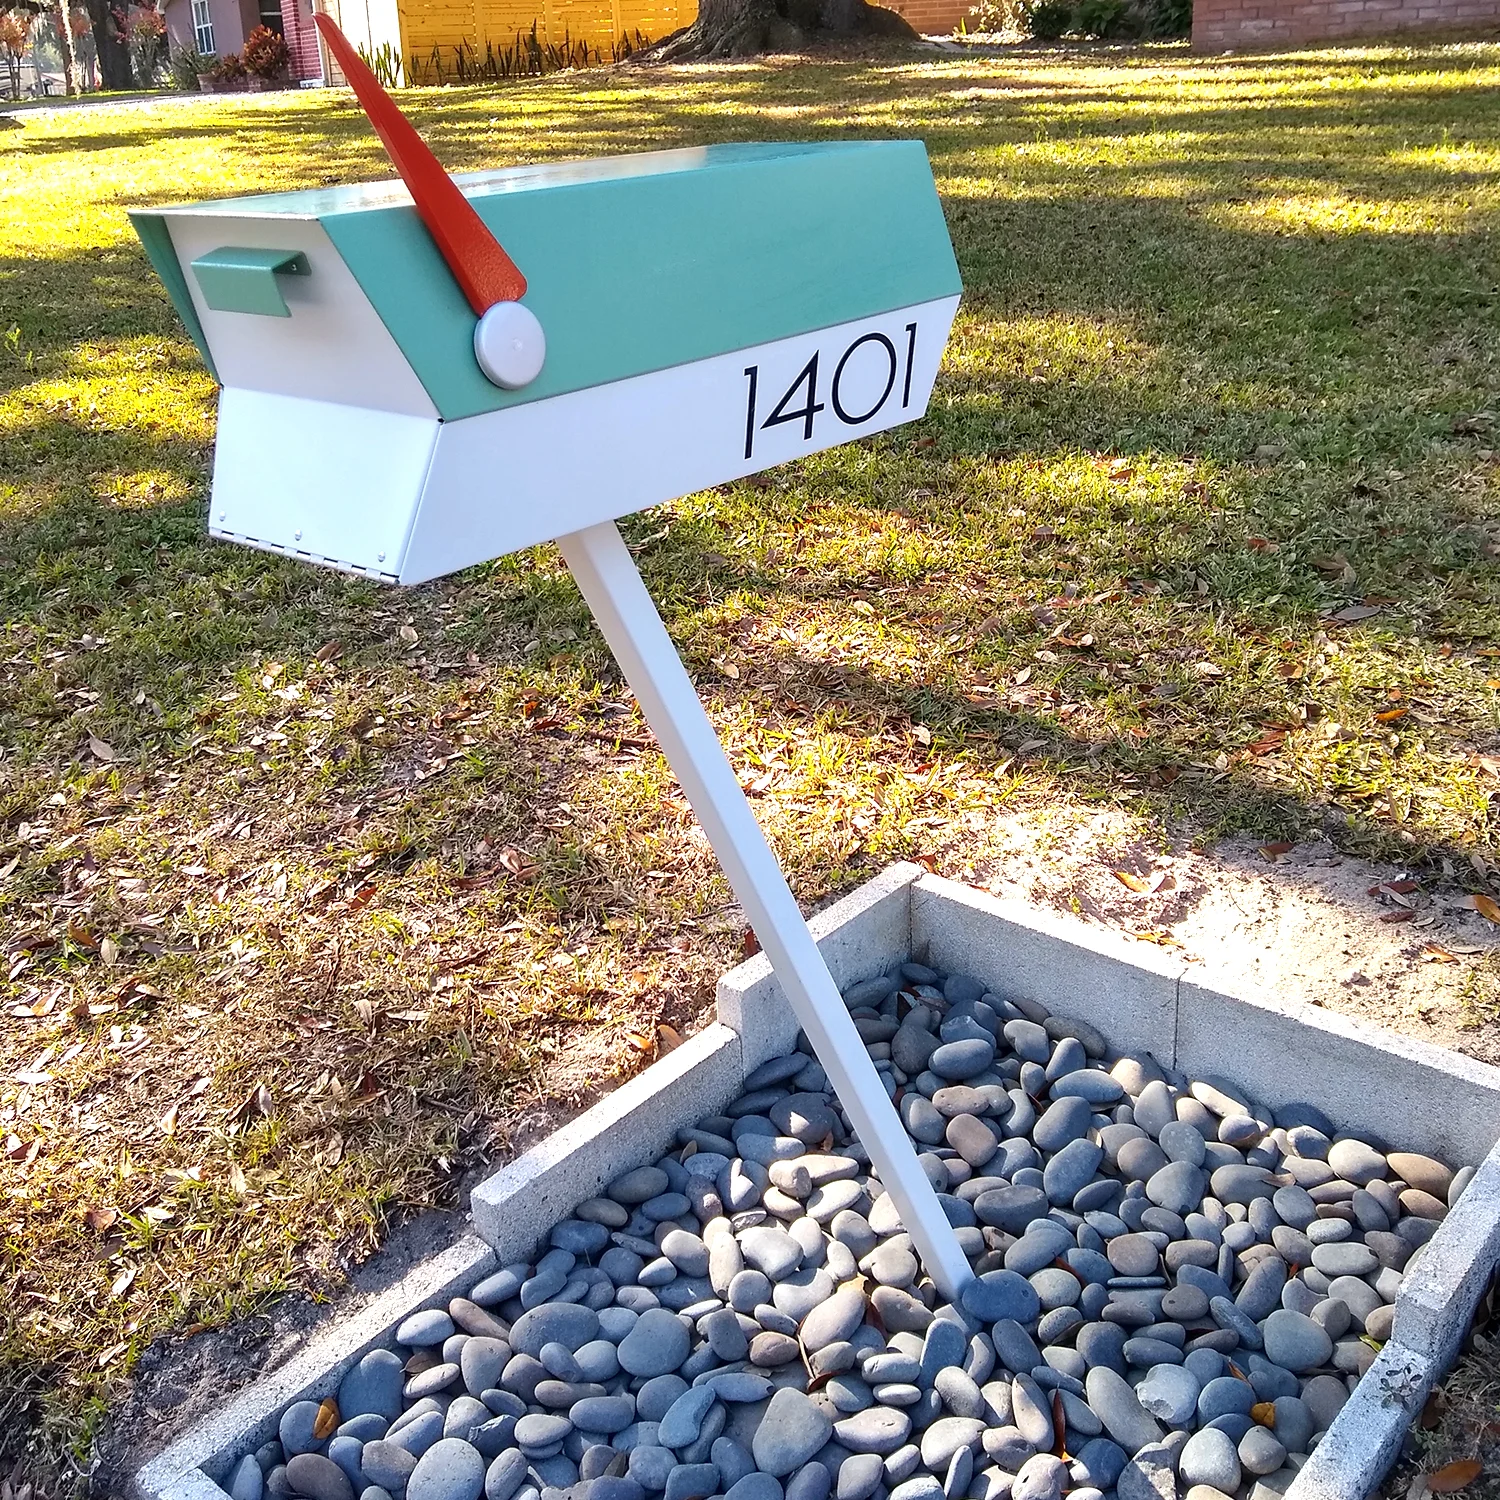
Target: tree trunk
(111,47)
(69,51)
(742,28)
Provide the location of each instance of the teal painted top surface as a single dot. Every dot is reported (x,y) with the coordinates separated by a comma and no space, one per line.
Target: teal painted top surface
(638,263)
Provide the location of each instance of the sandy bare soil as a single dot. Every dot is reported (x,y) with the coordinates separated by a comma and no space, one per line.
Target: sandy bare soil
(1306,922)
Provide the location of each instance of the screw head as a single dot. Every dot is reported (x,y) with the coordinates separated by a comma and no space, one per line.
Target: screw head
(221,515)
(380,557)
(296,536)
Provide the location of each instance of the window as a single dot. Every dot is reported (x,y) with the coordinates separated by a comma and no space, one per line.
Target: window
(270,15)
(203,27)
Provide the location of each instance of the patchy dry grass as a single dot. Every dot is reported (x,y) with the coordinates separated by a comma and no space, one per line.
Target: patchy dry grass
(317,896)
(1457,1440)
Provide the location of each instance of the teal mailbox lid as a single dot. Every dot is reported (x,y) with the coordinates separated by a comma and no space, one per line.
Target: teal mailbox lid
(638,263)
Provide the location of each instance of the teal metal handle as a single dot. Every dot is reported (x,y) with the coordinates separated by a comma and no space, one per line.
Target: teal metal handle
(242,280)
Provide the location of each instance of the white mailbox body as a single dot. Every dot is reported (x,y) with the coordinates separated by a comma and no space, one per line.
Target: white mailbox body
(709,313)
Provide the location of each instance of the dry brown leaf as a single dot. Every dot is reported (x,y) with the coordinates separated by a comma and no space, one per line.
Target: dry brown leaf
(667,1037)
(100,1219)
(520,864)
(1131,882)
(101,749)
(109,951)
(1391,715)
(330,650)
(1273,852)
(749,944)
(408,635)
(1400,914)
(237,1184)
(1486,906)
(327,1419)
(9,866)
(168,1122)
(1454,1476)
(640,1041)
(1352,614)
(121,1284)
(1437,954)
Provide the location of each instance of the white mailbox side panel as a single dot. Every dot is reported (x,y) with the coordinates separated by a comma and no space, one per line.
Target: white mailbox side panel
(510,479)
(313,479)
(332,347)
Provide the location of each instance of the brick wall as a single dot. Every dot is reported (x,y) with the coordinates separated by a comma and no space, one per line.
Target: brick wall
(1218,24)
(932,17)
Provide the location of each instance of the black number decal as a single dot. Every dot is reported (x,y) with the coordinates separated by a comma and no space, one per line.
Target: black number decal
(781,414)
(853,419)
(784,411)
(752,374)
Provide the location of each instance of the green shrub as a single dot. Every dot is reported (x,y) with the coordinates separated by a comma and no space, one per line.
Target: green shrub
(1166,18)
(1049,20)
(1106,20)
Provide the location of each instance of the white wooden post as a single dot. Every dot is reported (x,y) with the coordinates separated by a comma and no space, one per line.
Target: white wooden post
(606,575)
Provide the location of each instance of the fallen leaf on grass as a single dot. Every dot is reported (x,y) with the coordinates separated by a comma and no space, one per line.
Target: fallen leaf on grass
(100,1219)
(408,635)
(168,1122)
(101,749)
(928,862)
(329,650)
(1337,566)
(1486,906)
(1435,953)
(1394,888)
(1401,914)
(1272,852)
(121,1284)
(640,1041)
(257,1102)
(1455,1476)
(521,865)
(668,1037)
(9,866)
(1268,744)
(1352,614)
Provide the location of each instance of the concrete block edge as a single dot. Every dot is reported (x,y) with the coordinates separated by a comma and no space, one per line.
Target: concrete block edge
(314,1372)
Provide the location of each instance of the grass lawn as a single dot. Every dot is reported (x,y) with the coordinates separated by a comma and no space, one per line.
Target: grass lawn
(317,896)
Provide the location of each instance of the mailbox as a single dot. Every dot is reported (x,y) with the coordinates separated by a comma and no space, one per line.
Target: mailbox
(420,376)
(707,313)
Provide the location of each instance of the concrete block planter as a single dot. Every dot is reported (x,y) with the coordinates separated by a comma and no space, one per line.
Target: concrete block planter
(1405,1095)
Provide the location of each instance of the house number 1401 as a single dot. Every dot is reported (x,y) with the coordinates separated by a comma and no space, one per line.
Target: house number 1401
(803,391)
